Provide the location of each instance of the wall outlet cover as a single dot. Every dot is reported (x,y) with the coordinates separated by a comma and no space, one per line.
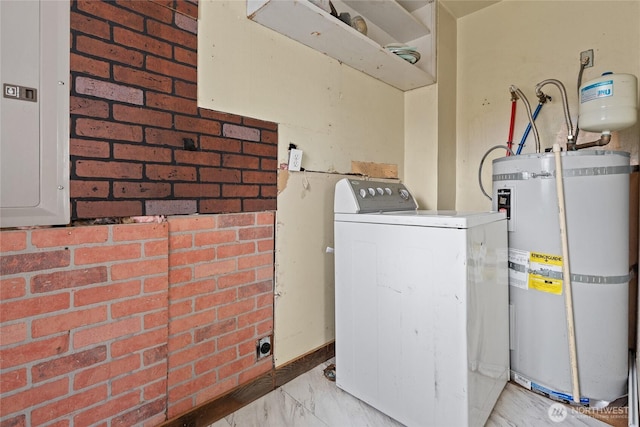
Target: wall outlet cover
(295,159)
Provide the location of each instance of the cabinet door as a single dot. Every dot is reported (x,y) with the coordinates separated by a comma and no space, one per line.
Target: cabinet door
(34,113)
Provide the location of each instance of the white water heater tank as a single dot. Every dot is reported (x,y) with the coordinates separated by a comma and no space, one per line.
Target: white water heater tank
(609,103)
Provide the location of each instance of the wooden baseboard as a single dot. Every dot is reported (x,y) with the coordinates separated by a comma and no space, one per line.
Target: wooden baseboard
(304,363)
(218,408)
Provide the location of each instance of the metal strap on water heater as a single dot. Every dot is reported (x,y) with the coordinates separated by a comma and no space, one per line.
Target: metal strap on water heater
(579,278)
(600,280)
(567,173)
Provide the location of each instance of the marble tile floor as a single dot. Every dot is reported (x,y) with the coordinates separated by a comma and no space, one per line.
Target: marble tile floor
(311,400)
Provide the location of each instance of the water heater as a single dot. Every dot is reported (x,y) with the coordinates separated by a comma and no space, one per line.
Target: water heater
(597,208)
(609,103)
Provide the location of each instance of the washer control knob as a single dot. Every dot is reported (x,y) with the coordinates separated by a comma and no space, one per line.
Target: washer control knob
(388,191)
(372,191)
(363,193)
(404,194)
(380,191)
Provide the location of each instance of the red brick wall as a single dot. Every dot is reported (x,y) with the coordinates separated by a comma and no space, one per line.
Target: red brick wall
(220,303)
(83,321)
(133,106)
(131,324)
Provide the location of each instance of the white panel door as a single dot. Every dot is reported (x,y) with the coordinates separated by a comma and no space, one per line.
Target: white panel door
(34,113)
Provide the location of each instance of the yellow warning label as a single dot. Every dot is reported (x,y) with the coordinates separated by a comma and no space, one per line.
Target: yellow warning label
(545,273)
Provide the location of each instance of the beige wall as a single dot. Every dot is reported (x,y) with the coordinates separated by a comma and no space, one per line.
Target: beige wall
(421,149)
(446,140)
(304,301)
(522,43)
(430,126)
(334,114)
(422,116)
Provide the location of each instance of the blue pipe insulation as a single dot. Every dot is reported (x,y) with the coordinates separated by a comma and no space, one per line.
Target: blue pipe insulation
(528,129)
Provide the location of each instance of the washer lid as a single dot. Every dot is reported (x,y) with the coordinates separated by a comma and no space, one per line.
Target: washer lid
(423,218)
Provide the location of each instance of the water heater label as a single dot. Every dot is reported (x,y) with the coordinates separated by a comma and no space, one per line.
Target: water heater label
(518,268)
(596,90)
(540,389)
(545,273)
(505,203)
(519,379)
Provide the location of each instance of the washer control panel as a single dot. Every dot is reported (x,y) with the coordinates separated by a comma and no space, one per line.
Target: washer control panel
(366,196)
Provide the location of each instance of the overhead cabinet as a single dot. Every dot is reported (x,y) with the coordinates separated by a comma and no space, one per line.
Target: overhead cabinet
(407,22)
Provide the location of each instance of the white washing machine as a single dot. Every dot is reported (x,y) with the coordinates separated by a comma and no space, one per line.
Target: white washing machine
(422,322)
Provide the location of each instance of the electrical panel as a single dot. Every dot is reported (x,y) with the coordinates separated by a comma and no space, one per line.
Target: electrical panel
(34,113)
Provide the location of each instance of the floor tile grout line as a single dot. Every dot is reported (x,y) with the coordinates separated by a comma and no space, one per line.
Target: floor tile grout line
(310,411)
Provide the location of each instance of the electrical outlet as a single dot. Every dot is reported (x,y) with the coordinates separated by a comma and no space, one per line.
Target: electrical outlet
(587,54)
(295,159)
(263,347)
